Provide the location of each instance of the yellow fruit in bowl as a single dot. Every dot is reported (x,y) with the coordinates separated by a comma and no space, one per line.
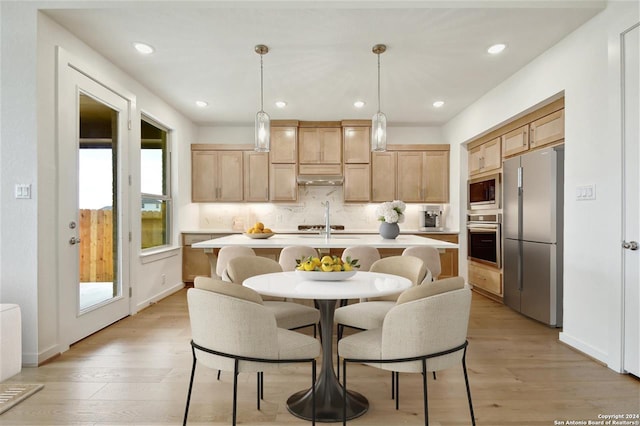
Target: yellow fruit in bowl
(309,265)
(267,231)
(327,259)
(337,268)
(327,267)
(259,225)
(316,261)
(347,267)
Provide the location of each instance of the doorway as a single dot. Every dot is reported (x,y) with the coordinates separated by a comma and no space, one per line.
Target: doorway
(93,243)
(630,42)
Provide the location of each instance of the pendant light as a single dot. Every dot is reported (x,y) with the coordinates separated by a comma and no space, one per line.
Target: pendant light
(263,122)
(379,121)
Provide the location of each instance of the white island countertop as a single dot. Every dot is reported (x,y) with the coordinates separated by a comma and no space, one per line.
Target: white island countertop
(338,240)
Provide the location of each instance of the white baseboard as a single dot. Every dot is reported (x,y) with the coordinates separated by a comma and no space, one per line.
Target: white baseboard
(143,304)
(584,348)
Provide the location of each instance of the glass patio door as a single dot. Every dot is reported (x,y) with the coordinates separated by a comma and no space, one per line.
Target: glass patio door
(93,188)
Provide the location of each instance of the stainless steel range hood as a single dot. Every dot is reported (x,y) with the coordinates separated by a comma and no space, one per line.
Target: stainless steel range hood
(320,180)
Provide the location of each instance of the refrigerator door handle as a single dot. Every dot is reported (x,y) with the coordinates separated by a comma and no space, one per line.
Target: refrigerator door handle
(519,178)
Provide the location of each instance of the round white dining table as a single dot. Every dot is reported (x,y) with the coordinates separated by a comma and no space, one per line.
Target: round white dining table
(329,397)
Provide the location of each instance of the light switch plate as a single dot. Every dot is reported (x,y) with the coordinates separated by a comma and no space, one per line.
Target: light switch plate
(585,192)
(23,191)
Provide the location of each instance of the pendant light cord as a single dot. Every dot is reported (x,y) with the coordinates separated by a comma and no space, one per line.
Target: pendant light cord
(261,89)
(378,82)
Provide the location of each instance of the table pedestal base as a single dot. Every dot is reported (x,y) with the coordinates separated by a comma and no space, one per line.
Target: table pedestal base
(328,404)
(329,393)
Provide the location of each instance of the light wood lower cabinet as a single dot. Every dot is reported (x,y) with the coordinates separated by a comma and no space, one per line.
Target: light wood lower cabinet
(448,257)
(486,278)
(194,261)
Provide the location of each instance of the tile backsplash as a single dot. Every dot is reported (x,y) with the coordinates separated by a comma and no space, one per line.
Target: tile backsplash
(307,211)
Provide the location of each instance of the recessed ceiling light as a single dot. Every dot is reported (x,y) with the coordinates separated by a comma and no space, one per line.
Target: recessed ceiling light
(496,48)
(281,104)
(358,104)
(143,48)
(202,104)
(438,104)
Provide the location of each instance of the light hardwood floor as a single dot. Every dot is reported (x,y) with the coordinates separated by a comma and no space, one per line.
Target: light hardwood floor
(136,373)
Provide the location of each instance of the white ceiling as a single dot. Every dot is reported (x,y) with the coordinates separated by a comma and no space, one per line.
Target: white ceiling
(320,58)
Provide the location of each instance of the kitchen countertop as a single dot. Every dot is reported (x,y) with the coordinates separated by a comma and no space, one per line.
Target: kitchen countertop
(295,231)
(337,240)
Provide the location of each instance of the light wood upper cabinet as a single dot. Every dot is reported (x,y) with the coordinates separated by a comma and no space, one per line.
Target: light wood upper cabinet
(424,177)
(322,145)
(356,144)
(516,141)
(436,175)
(357,182)
(546,130)
(256,176)
(282,182)
(409,181)
(216,176)
(485,157)
(284,144)
(383,176)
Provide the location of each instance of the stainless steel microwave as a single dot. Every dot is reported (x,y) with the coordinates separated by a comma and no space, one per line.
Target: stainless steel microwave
(484,192)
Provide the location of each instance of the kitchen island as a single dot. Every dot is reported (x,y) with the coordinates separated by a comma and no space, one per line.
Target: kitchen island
(270,247)
(337,240)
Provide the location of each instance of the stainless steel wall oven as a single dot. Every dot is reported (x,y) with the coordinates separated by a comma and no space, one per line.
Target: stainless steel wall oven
(483,239)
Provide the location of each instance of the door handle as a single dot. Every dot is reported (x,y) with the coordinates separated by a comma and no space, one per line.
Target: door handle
(74,240)
(631,245)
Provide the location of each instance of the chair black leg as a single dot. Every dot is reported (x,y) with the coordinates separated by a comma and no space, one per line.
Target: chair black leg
(434,376)
(313,392)
(218,374)
(339,331)
(315,327)
(393,385)
(466,381)
(258,390)
(424,392)
(262,385)
(397,390)
(344,392)
(235,390)
(193,371)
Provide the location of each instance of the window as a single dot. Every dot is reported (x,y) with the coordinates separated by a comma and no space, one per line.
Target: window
(155,186)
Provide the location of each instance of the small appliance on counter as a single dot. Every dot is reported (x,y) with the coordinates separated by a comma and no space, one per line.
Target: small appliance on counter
(432,217)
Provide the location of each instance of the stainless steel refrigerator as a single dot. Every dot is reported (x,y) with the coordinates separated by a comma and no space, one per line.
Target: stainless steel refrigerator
(532,231)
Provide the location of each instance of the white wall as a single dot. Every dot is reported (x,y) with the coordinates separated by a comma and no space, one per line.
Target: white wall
(29,265)
(19,268)
(585,65)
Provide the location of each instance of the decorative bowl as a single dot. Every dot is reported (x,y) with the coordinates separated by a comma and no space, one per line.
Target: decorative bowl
(325,276)
(259,236)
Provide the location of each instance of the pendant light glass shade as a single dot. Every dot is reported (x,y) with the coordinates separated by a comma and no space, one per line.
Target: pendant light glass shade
(379,132)
(379,120)
(263,122)
(263,131)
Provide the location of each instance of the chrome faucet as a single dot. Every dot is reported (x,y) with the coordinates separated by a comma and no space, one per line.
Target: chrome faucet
(327,219)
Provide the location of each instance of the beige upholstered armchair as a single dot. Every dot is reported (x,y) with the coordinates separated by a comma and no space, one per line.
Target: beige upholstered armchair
(225,254)
(431,258)
(245,337)
(370,314)
(289,315)
(366,256)
(425,331)
(288,256)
